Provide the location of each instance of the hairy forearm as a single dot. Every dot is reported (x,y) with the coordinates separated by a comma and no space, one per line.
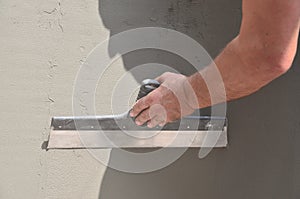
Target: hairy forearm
(263,50)
(236,73)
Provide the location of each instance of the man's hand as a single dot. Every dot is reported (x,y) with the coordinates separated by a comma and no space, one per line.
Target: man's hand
(263,50)
(169,102)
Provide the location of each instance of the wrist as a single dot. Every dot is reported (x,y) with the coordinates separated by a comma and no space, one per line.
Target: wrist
(200,97)
(190,95)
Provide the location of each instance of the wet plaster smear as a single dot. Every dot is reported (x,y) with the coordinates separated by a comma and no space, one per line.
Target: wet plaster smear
(43,45)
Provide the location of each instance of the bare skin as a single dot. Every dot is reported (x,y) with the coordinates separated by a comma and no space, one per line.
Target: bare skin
(262,51)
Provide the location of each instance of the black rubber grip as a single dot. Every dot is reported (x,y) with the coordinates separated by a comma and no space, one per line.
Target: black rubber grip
(148,85)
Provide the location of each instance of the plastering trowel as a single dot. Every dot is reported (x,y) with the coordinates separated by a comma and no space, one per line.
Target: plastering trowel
(113,131)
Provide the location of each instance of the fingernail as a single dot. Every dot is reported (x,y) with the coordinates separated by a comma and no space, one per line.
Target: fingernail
(138,123)
(131,114)
(149,125)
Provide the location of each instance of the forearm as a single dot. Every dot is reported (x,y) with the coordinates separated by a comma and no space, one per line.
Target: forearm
(263,50)
(242,73)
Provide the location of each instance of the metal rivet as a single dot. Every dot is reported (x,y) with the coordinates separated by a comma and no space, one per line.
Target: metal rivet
(209,126)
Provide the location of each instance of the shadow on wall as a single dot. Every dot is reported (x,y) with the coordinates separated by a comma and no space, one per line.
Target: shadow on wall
(225,173)
(199,19)
(213,24)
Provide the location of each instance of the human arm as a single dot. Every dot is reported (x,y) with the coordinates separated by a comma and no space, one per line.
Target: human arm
(262,51)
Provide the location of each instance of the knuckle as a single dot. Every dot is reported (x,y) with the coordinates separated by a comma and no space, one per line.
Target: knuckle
(140,102)
(144,116)
(148,100)
(153,97)
(162,77)
(166,73)
(134,108)
(156,95)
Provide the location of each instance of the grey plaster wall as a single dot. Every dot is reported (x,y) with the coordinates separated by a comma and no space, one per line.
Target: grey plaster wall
(44,43)
(261,160)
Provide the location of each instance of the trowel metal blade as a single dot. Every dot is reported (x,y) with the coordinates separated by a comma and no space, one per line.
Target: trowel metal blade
(120,131)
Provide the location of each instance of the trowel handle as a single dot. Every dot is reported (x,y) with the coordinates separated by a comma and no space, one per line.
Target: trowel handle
(148,85)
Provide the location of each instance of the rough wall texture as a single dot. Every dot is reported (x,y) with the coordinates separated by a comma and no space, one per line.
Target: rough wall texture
(43,44)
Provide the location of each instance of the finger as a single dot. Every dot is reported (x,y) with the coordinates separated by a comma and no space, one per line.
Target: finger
(158,114)
(143,117)
(140,105)
(163,123)
(155,121)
